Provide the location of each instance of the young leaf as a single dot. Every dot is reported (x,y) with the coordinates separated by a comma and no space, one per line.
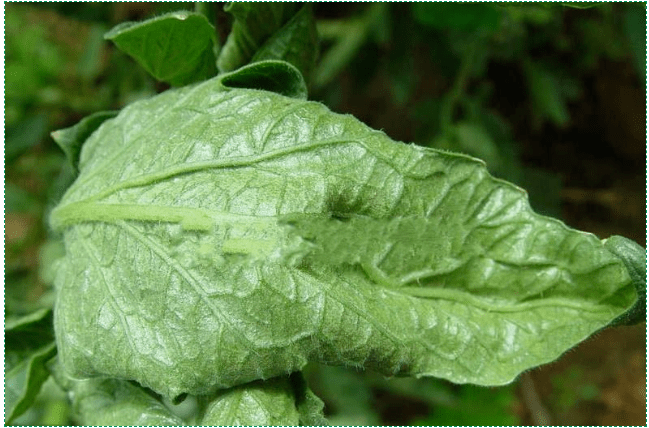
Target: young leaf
(254,24)
(278,401)
(100,402)
(309,406)
(261,403)
(176,48)
(216,236)
(296,42)
(71,139)
(274,76)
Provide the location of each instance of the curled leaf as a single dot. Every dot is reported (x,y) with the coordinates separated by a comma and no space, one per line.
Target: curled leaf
(635,260)
(217,236)
(71,139)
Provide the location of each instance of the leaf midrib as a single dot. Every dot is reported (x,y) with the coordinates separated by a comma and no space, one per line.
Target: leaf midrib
(190,218)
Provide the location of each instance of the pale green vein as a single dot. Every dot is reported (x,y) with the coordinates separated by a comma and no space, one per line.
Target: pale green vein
(189,218)
(467,299)
(291,108)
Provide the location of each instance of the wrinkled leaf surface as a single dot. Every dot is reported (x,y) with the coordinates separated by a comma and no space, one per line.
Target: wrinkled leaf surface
(101,402)
(269,403)
(278,401)
(216,236)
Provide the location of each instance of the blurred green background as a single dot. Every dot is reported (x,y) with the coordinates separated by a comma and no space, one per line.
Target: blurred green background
(551,96)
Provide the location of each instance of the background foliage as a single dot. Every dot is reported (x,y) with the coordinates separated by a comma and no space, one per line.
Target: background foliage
(551,96)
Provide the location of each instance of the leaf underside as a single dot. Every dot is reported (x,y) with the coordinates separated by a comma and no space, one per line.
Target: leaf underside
(217,236)
(117,402)
(269,403)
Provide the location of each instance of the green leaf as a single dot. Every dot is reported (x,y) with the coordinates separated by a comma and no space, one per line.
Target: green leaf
(309,406)
(51,408)
(296,42)
(26,334)
(101,402)
(23,381)
(117,402)
(34,322)
(28,346)
(254,24)
(278,401)
(274,76)
(71,139)
(261,403)
(635,260)
(217,236)
(175,48)
(547,95)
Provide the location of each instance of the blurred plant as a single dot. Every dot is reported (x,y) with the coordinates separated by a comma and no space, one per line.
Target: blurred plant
(488,406)
(570,388)
(549,44)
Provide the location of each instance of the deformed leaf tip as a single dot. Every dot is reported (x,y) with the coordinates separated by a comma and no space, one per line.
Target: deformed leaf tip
(271,75)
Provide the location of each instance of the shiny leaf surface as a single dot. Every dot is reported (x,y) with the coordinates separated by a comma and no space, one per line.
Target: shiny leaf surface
(217,236)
